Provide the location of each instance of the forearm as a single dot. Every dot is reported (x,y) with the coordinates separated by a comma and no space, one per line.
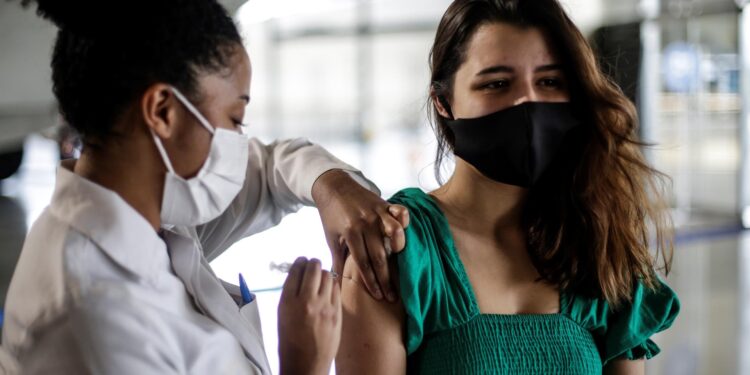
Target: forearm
(336,182)
(297,165)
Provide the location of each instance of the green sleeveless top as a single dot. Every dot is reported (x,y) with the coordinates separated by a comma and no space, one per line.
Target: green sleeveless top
(446,333)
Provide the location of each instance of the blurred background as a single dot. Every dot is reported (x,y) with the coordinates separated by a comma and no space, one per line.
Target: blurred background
(352,75)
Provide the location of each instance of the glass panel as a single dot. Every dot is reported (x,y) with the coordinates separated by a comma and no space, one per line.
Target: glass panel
(698,114)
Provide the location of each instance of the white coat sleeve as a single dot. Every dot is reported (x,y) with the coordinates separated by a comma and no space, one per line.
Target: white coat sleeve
(279,181)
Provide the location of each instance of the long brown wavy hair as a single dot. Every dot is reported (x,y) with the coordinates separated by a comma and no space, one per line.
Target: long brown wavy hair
(589,221)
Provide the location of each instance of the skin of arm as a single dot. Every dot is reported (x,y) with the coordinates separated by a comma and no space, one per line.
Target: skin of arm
(372,340)
(625,367)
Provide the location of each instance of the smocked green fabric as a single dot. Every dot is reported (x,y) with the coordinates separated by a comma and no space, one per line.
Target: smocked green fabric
(447,334)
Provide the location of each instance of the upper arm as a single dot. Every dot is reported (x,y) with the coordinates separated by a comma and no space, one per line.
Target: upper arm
(625,367)
(373,331)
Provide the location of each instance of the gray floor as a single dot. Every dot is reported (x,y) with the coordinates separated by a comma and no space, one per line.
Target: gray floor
(711,275)
(711,334)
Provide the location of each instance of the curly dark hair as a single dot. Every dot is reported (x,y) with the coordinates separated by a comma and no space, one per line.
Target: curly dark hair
(108,53)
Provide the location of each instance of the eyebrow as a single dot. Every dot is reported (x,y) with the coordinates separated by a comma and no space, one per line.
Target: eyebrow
(508,69)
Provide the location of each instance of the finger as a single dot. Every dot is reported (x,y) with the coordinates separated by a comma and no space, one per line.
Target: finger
(388,224)
(338,255)
(326,285)
(393,232)
(401,214)
(311,279)
(379,261)
(357,248)
(398,239)
(294,279)
(397,242)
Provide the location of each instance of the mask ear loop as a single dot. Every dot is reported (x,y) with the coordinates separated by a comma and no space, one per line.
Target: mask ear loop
(192,110)
(163,152)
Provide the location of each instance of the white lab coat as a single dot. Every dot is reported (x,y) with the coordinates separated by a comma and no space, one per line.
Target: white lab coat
(97,290)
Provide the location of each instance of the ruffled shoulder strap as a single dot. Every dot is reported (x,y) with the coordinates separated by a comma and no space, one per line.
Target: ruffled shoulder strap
(434,290)
(626,332)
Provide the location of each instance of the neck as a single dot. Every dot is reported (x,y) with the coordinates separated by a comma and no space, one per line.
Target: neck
(125,168)
(475,201)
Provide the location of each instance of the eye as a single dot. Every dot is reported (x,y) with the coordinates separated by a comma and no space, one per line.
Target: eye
(551,82)
(496,85)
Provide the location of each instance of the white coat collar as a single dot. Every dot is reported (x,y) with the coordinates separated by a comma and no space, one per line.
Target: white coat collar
(110,222)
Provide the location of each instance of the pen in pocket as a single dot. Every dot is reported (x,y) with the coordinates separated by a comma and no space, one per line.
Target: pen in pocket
(247,296)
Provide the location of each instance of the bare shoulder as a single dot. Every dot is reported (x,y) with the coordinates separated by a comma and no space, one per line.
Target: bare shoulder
(359,305)
(372,336)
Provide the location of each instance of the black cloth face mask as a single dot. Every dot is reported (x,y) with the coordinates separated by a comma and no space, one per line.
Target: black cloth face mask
(515,145)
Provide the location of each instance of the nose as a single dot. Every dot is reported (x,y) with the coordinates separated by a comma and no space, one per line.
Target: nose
(526,93)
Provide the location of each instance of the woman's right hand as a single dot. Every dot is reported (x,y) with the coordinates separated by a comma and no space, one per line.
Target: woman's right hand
(309,320)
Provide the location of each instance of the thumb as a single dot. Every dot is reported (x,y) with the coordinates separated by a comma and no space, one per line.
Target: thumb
(400,213)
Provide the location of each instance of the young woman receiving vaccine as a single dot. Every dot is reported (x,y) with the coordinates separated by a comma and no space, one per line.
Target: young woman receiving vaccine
(533,258)
(114,275)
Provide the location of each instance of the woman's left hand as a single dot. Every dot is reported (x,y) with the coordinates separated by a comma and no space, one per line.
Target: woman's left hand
(358,220)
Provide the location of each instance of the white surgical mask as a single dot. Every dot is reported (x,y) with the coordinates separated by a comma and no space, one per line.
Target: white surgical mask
(204,197)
